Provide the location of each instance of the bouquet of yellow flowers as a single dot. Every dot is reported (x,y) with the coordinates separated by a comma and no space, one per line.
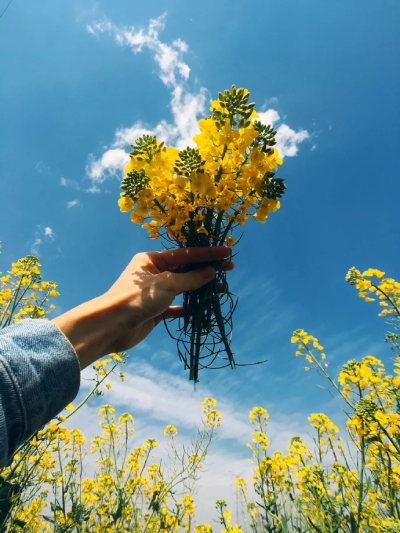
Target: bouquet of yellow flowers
(198,197)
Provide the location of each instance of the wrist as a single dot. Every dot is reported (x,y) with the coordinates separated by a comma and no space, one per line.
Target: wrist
(89,328)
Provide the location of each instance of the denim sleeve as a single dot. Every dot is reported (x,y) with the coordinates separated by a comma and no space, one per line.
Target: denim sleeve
(39,376)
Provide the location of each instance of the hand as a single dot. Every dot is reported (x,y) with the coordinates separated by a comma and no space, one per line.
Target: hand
(137,302)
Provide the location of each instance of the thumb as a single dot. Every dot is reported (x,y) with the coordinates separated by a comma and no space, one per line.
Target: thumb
(190,281)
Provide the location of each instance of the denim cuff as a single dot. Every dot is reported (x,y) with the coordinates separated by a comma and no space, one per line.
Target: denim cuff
(39,376)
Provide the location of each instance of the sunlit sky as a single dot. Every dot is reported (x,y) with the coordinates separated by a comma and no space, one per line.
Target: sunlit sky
(81,79)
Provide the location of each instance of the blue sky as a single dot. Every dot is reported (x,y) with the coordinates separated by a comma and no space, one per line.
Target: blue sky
(77,83)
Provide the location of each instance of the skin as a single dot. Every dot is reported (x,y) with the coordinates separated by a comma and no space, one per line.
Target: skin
(139,299)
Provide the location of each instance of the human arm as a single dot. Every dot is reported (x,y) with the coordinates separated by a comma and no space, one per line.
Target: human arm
(40,361)
(124,315)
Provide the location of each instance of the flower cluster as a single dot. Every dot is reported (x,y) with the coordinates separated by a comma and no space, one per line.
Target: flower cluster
(385,290)
(197,195)
(23,293)
(212,417)
(305,345)
(170,431)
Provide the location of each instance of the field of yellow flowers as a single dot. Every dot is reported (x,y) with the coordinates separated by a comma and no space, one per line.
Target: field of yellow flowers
(341,484)
(350,484)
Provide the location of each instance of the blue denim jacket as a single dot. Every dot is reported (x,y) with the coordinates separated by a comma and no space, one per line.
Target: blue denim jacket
(39,376)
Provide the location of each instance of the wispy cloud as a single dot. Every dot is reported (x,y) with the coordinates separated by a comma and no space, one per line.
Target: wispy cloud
(109,164)
(49,232)
(64,182)
(156,398)
(35,246)
(287,139)
(168,57)
(72,203)
(166,397)
(42,235)
(186,106)
(42,167)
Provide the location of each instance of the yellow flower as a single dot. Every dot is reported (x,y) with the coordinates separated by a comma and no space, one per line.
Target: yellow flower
(52,292)
(274,160)
(136,218)
(179,186)
(199,182)
(241,484)
(126,204)
(215,105)
(373,272)
(208,127)
(145,198)
(126,417)
(266,207)
(170,431)
(105,409)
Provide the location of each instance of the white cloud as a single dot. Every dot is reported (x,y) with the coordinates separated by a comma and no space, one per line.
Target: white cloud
(168,57)
(42,167)
(42,235)
(269,117)
(287,140)
(72,203)
(162,396)
(173,71)
(126,136)
(109,164)
(35,246)
(181,45)
(186,107)
(49,232)
(69,183)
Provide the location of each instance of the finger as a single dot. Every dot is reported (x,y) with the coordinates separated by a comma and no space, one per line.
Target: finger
(175,311)
(190,281)
(183,256)
(228,265)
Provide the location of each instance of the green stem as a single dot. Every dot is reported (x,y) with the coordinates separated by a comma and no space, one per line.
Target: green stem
(361,481)
(221,326)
